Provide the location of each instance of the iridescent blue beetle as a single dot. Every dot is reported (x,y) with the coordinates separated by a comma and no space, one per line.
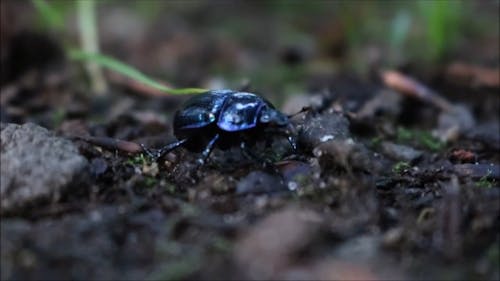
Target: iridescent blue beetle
(226,118)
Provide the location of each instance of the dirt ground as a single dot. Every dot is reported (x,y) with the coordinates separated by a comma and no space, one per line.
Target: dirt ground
(396,176)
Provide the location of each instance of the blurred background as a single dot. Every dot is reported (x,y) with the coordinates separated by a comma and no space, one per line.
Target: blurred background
(279,47)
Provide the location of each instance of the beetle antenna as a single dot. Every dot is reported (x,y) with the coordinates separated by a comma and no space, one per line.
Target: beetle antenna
(245,86)
(304,109)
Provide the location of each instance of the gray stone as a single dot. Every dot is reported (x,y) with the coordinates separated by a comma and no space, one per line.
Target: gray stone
(455,122)
(400,152)
(487,133)
(35,164)
(385,101)
(259,182)
(317,129)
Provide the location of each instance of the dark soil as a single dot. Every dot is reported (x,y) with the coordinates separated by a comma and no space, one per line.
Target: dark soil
(372,192)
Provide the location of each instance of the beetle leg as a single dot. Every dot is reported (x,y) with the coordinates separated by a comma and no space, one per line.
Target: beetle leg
(157,154)
(293,143)
(291,135)
(206,152)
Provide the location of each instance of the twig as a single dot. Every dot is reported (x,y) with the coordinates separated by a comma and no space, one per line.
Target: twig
(112,144)
(475,75)
(410,87)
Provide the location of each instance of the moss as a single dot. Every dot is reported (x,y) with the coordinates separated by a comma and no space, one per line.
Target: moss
(376,141)
(400,167)
(221,244)
(430,142)
(422,138)
(404,135)
(485,181)
(150,181)
(139,159)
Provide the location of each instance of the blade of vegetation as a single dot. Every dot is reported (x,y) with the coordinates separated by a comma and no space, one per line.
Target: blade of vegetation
(129,71)
(50,15)
(87,23)
(442,22)
(400,29)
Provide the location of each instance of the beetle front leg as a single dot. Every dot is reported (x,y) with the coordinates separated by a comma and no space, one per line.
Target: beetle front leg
(206,152)
(157,154)
(293,143)
(291,136)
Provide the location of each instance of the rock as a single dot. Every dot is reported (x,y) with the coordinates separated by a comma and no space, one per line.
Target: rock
(455,122)
(98,166)
(385,102)
(363,248)
(349,155)
(294,173)
(400,152)
(267,248)
(259,182)
(317,129)
(486,133)
(35,165)
(478,171)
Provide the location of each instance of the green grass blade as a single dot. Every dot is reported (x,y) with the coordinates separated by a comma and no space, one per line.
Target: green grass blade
(50,15)
(131,72)
(89,42)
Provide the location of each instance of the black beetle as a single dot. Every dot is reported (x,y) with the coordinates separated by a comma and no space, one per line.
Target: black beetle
(226,118)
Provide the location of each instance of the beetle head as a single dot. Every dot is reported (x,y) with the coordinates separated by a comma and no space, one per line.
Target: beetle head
(273,117)
(276,119)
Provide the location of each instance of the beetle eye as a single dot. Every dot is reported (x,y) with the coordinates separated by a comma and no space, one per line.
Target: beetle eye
(264,118)
(211,117)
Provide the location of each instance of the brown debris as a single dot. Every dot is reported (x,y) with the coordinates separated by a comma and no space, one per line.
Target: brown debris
(454,120)
(474,75)
(113,144)
(413,88)
(463,156)
(268,247)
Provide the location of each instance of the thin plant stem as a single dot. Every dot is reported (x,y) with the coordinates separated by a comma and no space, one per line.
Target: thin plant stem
(90,43)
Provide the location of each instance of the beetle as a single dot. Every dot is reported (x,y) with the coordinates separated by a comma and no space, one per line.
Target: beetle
(224,119)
